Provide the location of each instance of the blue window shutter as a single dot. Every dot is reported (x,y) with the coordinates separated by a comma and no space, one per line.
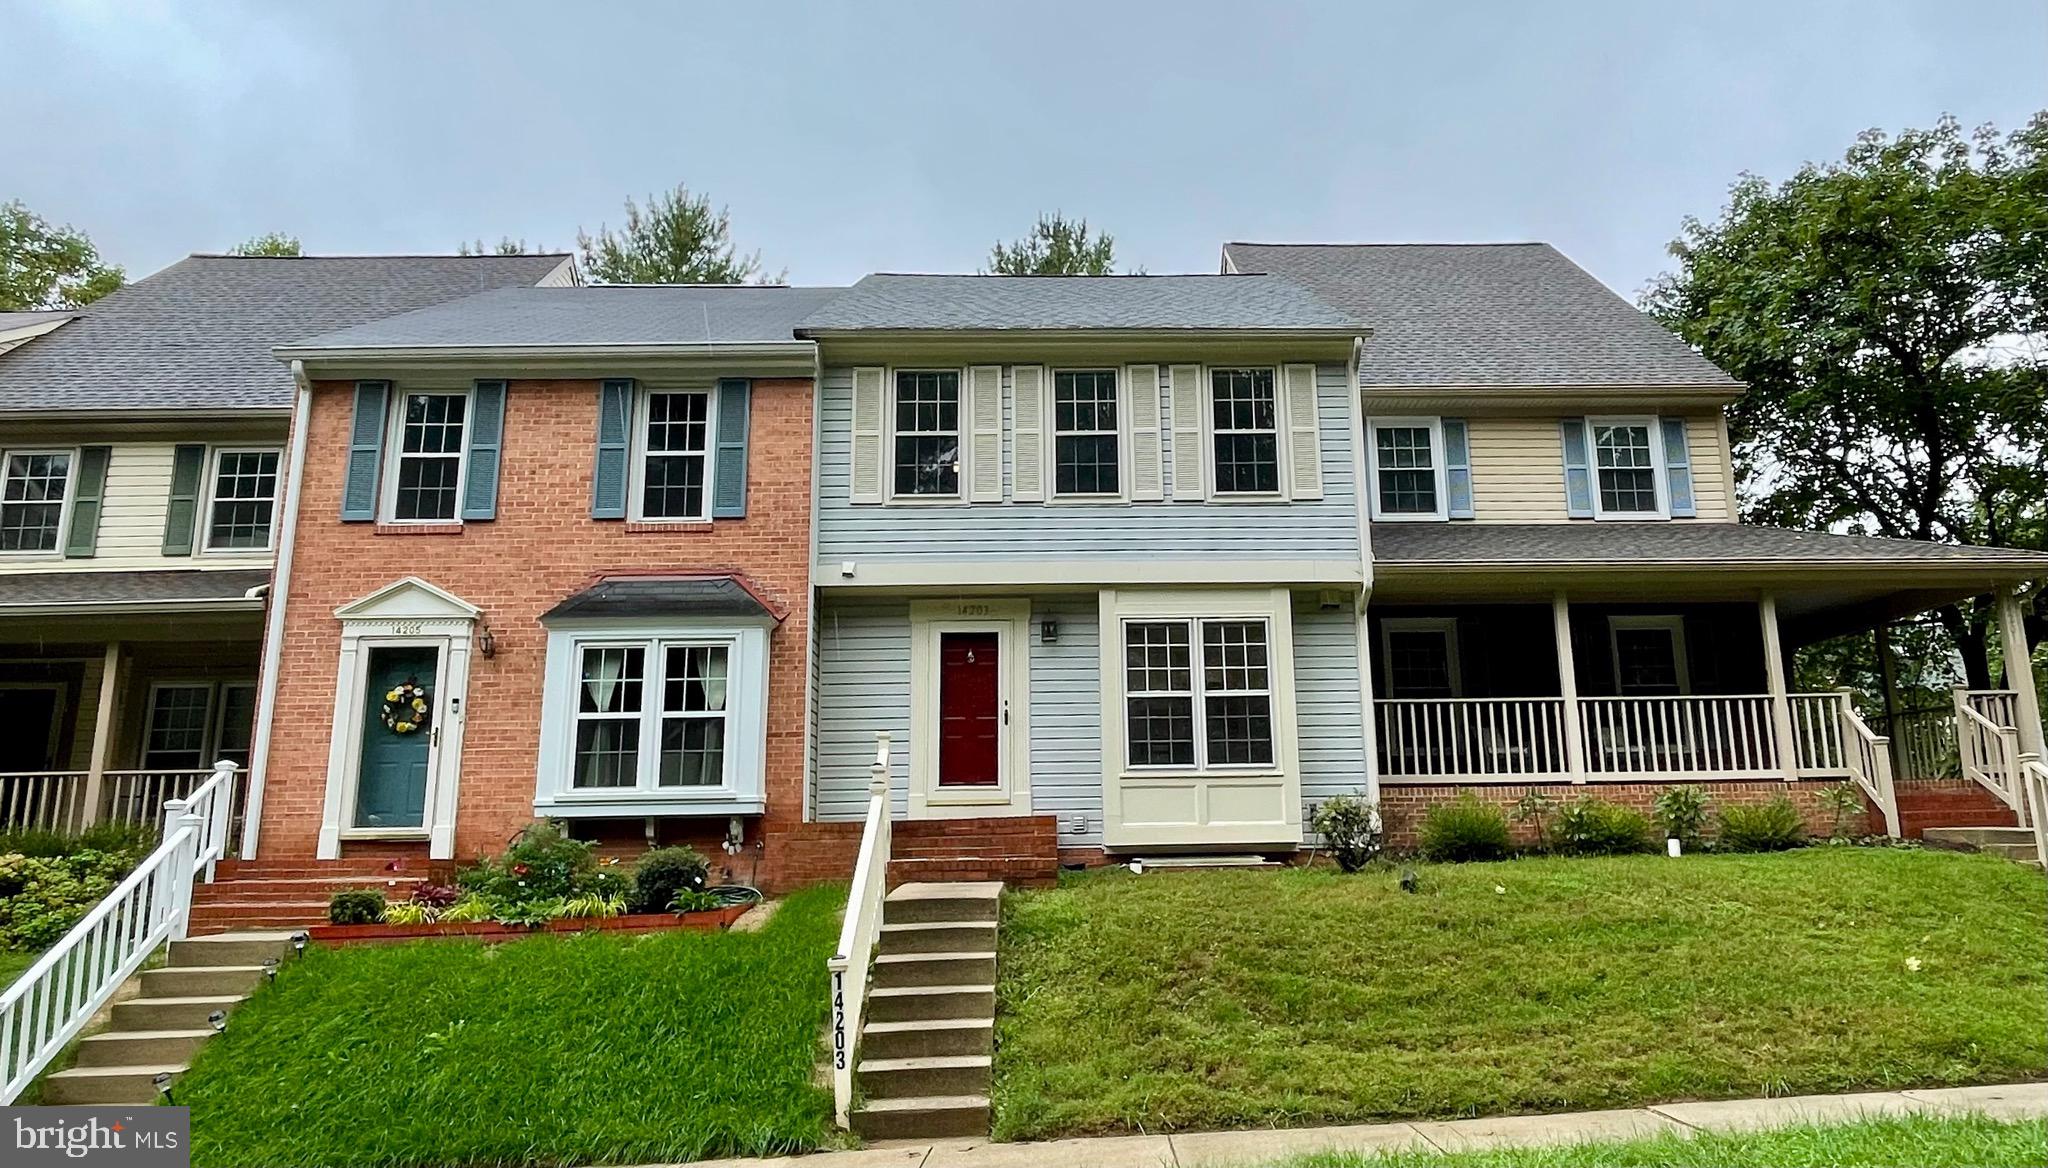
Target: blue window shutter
(1578,469)
(486,440)
(86,500)
(1457,469)
(1678,468)
(614,423)
(729,461)
(188,468)
(365,452)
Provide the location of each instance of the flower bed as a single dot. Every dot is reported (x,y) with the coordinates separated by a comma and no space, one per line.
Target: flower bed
(708,921)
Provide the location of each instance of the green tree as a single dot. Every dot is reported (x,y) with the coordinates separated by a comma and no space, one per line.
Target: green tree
(45,266)
(1057,246)
(506,245)
(677,239)
(1888,313)
(275,243)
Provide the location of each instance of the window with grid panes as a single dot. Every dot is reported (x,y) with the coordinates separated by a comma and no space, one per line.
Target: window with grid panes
(32,500)
(429,457)
(1219,716)
(676,458)
(1245,424)
(244,500)
(927,457)
(175,737)
(1627,473)
(1405,460)
(1084,432)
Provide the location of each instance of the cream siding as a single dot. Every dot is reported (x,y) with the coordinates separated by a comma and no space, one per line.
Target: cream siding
(1518,470)
(131,531)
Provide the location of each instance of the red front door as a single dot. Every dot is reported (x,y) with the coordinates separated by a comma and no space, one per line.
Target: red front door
(970,710)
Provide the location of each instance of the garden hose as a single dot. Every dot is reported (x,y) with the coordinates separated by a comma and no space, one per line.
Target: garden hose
(732,894)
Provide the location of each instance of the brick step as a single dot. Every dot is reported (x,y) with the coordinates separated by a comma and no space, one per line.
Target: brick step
(224,918)
(1019,870)
(261,869)
(296,891)
(923,1117)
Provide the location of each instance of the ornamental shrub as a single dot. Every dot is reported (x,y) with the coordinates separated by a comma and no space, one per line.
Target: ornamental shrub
(1681,813)
(1763,827)
(1595,827)
(1464,829)
(1350,827)
(355,906)
(664,872)
(41,897)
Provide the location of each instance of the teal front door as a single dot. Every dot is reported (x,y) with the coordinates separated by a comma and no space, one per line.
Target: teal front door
(391,779)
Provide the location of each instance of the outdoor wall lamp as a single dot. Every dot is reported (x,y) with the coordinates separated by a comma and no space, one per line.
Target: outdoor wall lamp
(487,643)
(1049,632)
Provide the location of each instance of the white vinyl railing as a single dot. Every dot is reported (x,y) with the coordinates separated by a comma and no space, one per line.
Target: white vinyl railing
(1471,738)
(863,924)
(1924,741)
(2000,707)
(1817,734)
(2034,785)
(49,1004)
(1868,757)
(1990,755)
(1695,736)
(57,800)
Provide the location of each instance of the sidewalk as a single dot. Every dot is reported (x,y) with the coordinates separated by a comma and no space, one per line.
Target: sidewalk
(1252,1149)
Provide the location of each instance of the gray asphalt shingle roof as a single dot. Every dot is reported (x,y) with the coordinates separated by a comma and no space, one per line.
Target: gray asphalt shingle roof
(1488,314)
(598,315)
(890,301)
(89,589)
(198,335)
(662,596)
(1639,544)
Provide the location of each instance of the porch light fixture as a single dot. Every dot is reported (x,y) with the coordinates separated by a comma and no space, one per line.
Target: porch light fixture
(219,1021)
(1049,632)
(487,643)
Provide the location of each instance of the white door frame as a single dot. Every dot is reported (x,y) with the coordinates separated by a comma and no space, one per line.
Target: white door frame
(408,612)
(1010,621)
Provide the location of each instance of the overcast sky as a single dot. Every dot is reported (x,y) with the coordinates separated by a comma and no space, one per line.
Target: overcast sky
(900,137)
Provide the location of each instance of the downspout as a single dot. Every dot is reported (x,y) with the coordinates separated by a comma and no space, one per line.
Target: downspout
(273,626)
(1368,710)
(811,598)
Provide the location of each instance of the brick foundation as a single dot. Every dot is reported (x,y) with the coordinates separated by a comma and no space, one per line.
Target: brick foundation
(1403,804)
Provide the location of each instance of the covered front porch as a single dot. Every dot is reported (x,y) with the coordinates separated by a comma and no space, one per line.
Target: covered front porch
(1642,672)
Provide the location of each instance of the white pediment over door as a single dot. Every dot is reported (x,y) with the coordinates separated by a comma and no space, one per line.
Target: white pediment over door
(409,599)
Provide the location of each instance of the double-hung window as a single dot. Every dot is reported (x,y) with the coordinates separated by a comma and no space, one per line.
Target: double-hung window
(180,714)
(1407,468)
(651,715)
(242,507)
(1085,433)
(32,500)
(1421,656)
(1245,428)
(1215,717)
(927,448)
(429,431)
(675,456)
(1628,475)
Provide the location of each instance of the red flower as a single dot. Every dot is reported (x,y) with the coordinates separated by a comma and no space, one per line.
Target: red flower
(519,869)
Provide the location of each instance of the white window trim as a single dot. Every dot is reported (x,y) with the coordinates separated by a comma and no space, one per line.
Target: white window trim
(213,461)
(1437,461)
(636,452)
(1447,625)
(206,738)
(743,791)
(1197,678)
(220,713)
(962,432)
(394,441)
(1650,423)
(1053,494)
(1674,624)
(64,508)
(1282,457)
(1010,620)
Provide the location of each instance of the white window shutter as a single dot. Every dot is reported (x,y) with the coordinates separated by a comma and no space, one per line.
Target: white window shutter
(1304,438)
(1147,460)
(985,450)
(1027,434)
(1188,454)
(865,472)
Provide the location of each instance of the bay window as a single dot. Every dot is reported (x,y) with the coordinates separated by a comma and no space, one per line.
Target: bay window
(1215,717)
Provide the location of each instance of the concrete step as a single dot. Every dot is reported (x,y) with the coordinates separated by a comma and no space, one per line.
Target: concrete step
(1980,836)
(922,1117)
(904,1078)
(137,1048)
(926,1002)
(172,1013)
(928,969)
(130,1084)
(940,937)
(232,949)
(922,903)
(927,1037)
(212,981)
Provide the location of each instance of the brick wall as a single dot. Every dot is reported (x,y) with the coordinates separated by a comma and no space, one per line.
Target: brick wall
(542,547)
(1404,804)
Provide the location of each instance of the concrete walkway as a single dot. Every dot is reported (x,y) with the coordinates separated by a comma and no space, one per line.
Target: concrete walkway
(1254,1149)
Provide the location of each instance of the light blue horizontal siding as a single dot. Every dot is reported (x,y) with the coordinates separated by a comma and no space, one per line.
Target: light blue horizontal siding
(863,687)
(1066,718)
(1326,704)
(1325,529)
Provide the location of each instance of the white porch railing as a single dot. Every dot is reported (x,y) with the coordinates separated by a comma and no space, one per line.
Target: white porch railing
(56,800)
(2001,707)
(849,963)
(48,1005)
(1867,756)
(1690,736)
(1924,741)
(1472,738)
(1819,728)
(1990,754)
(2034,785)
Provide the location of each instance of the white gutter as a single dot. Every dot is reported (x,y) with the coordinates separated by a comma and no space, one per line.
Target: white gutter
(273,626)
(132,607)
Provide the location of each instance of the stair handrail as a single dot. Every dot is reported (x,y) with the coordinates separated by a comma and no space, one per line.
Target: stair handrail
(48,1005)
(214,802)
(2034,786)
(1868,755)
(1990,755)
(857,933)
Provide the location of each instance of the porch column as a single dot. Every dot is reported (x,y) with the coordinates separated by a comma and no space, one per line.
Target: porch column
(1774,682)
(102,734)
(2019,668)
(1888,674)
(1568,688)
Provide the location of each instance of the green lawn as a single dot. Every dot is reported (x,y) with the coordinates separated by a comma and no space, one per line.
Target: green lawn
(549,1050)
(1915,1142)
(14,963)
(1187,1000)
